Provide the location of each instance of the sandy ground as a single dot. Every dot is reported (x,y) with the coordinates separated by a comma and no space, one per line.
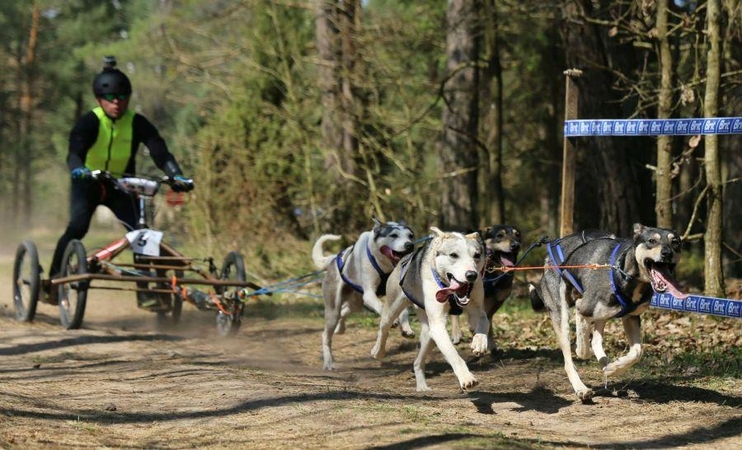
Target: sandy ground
(121,383)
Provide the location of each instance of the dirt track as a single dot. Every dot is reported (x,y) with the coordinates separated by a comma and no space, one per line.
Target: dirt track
(120,383)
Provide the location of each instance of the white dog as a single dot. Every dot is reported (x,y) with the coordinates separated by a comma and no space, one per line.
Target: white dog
(357,276)
(442,277)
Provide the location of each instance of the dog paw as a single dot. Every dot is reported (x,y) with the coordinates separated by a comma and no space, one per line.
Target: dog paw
(407,333)
(340,328)
(468,382)
(479,344)
(456,337)
(378,352)
(603,362)
(585,395)
(613,369)
(423,387)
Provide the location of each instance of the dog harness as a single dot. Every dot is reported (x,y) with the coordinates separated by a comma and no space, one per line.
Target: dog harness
(341,264)
(557,258)
(556,254)
(627,306)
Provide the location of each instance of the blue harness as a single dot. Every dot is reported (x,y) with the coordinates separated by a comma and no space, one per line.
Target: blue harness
(556,255)
(341,265)
(627,305)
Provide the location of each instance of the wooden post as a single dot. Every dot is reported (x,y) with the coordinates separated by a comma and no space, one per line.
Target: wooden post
(571,101)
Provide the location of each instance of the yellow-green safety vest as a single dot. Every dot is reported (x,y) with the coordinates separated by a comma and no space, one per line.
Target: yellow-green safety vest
(112,149)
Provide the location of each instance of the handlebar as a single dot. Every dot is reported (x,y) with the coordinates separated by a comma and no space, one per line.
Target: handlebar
(146,187)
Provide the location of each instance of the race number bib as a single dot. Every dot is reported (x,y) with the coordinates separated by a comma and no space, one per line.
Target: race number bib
(145,242)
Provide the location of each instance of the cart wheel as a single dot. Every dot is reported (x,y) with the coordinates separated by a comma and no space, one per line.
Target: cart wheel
(228,324)
(73,295)
(233,269)
(26,281)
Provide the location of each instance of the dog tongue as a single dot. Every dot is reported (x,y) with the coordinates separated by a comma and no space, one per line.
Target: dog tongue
(389,253)
(453,288)
(663,281)
(506,260)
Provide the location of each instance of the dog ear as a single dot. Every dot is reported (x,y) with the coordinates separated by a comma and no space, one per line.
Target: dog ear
(436,231)
(638,229)
(377,222)
(473,235)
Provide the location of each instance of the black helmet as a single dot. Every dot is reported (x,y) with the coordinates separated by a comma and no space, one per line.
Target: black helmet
(111,80)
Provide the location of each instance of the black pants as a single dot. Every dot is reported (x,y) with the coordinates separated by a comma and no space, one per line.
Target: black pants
(85,196)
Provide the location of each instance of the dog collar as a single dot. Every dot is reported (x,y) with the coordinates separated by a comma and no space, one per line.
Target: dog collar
(438,279)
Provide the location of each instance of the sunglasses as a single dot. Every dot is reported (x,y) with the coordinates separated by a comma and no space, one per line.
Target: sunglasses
(112,97)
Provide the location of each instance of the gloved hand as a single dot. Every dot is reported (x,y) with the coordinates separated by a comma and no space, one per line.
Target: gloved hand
(182,184)
(81,173)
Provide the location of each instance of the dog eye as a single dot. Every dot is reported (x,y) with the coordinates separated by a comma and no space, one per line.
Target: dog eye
(477,255)
(453,255)
(652,241)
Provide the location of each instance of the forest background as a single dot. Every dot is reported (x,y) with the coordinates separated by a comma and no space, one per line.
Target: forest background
(299,118)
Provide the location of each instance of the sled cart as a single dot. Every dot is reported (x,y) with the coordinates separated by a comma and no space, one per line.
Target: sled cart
(162,277)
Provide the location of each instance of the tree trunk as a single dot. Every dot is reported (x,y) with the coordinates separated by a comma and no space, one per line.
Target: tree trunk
(491,194)
(327,49)
(663,207)
(607,190)
(457,148)
(24,157)
(713,273)
(335,33)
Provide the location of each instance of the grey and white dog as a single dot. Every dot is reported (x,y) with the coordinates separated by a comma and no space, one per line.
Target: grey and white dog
(442,276)
(356,277)
(604,277)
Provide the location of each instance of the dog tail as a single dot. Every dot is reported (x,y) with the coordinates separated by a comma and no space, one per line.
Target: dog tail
(537,303)
(322,261)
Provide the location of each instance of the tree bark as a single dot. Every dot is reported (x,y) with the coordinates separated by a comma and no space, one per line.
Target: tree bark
(607,189)
(335,34)
(663,176)
(24,157)
(491,194)
(457,152)
(713,271)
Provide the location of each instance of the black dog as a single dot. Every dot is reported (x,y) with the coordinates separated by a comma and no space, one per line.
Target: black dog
(605,277)
(502,244)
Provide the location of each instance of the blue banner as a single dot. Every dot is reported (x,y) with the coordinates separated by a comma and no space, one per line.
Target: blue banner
(724,307)
(653,127)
